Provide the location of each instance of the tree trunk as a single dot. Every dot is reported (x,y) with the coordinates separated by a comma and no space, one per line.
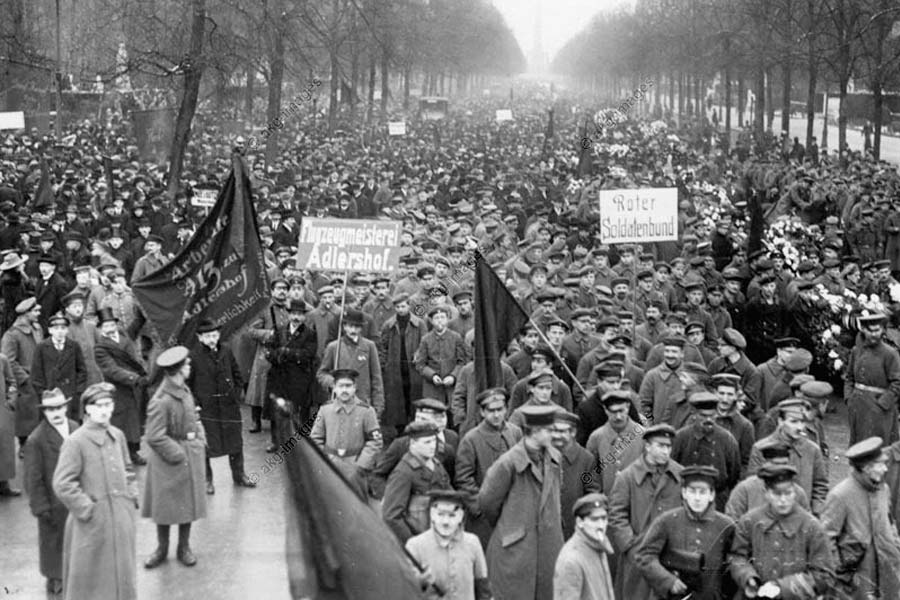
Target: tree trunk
(786,96)
(813,69)
(276,78)
(406,74)
(371,97)
(842,120)
(770,102)
(333,92)
(192,76)
(385,86)
(878,93)
(248,99)
(671,93)
(727,115)
(680,96)
(759,123)
(742,101)
(354,80)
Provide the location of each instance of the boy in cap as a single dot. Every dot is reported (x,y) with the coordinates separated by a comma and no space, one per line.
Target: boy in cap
(453,558)
(94,464)
(857,519)
(582,567)
(751,492)
(577,464)
(779,549)
(439,357)
(704,442)
(405,505)
(685,549)
(521,494)
(644,489)
(41,458)
(812,470)
(872,383)
(59,363)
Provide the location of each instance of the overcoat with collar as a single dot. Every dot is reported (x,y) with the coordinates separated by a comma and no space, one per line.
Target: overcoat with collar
(41,458)
(119,364)
(19,344)
(8,393)
(577,480)
(392,365)
(64,369)
(524,505)
(410,478)
(95,480)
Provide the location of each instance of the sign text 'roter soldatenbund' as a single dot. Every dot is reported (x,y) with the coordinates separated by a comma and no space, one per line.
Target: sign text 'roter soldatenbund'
(349,244)
(640,215)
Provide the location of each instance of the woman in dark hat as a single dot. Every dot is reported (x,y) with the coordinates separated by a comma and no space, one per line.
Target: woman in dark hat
(174,489)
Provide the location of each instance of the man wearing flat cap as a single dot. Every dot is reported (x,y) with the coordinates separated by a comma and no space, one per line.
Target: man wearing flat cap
(59,363)
(779,549)
(353,351)
(872,383)
(662,393)
(152,259)
(19,344)
(41,458)
(439,357)
(705,442)
(405,506)
(679,540)
(857,519)
(812,470)
(582,567)
(732,359)
(521,497)
(642,491)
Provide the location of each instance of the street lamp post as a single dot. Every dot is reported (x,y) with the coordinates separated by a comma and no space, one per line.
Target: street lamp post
(58,125)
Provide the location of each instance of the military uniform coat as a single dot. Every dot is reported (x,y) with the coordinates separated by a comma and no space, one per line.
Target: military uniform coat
(577,480)
(85,334)
(216,383)
(405,514)
(791,550)
(680,529)
(857,516)
(348,432)
(812,470)
(872,412)
(660,394)
(718,449)
(119,363)
(523,504)
(750,493)
(175,488)
(362,357)
(8,393)
(95,481)
(582,570)
(478,450)
(41,457)
(614,451)
(633,504)
(19,345)
(65,370)
(464,406)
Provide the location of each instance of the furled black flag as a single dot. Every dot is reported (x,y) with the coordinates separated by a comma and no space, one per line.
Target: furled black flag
(110,183)
(337,547)
(220,274)
(43,196)
(498,320)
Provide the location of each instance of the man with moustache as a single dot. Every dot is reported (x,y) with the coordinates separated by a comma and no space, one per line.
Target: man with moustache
(41,458)
(729,417)
(576,461)
(582,567)
(662,394)
(262,331)
(359,354)
(616,444)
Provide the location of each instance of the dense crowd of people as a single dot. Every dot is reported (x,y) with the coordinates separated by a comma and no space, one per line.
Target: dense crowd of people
(659,429)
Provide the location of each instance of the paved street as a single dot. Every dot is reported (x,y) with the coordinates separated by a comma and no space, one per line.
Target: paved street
(239,546)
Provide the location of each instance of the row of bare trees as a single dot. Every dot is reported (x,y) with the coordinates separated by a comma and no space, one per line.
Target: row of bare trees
(224,51)
(772,47)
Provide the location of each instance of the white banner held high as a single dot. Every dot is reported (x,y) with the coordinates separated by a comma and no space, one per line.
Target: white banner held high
(638,216)
(349,244)
(397,128)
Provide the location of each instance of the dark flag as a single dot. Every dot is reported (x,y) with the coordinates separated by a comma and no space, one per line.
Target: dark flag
(498,320)
(43,196)
(549,124)
(337,547)
(110,181)
(757,220)
(220,274)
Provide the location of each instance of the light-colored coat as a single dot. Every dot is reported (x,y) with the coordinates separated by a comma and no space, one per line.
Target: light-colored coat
(175,490)
(582,570)
(8,393)
(19,345)
(527,535)
(95,480)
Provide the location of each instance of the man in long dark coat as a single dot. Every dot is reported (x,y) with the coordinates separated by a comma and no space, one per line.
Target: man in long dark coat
(41,456)
(19,344)
(217,385)
(521,497)
(118,361)
(400,337)
(872,384)
(292,352)
(59,363)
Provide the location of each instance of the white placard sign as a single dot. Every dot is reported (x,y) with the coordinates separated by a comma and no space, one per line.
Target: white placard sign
(397,128)
(205,197)
(12,120)
(504,114)
(637,216)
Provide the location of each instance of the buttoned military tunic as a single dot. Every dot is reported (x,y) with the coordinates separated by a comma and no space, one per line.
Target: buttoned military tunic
(577,480)
(742,430)
(660,390)
(405,506)
(362,357)
(680,529)
(348,432)
(812,470)
(791,550)
(456,564)
(717,448)
(872,387)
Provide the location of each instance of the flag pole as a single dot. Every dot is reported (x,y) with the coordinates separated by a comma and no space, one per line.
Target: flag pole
(558,357)
(337,353)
